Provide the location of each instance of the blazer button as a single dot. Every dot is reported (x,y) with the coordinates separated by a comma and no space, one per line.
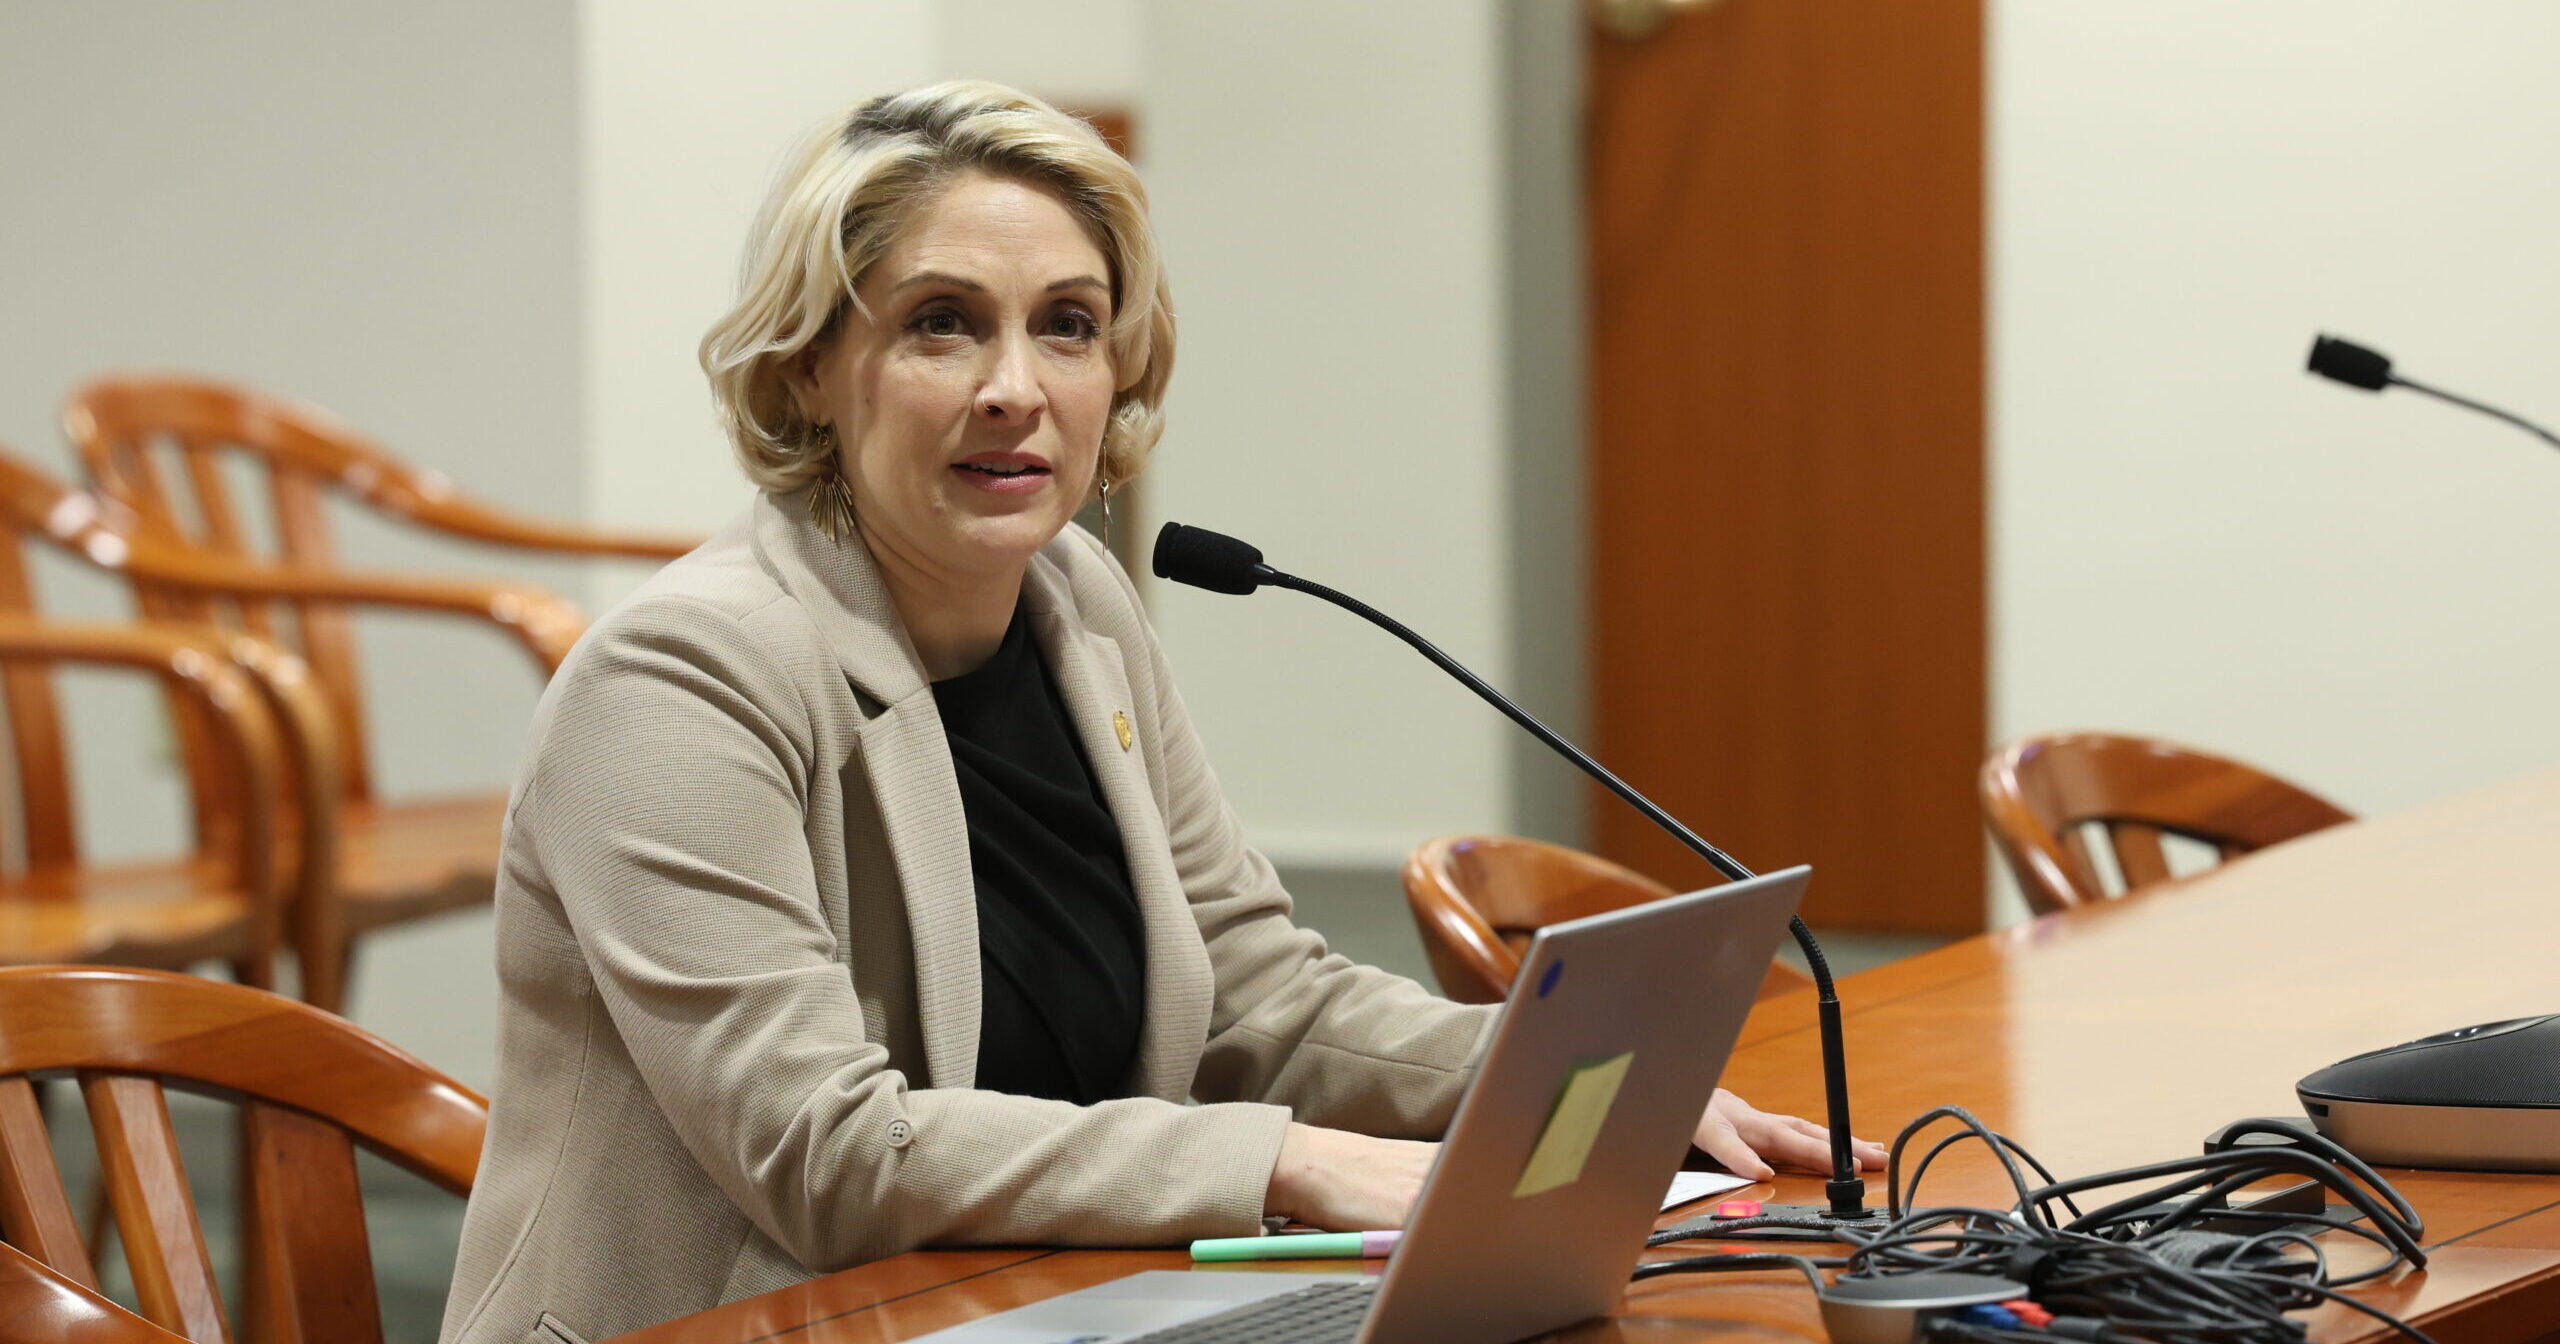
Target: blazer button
(901,1133)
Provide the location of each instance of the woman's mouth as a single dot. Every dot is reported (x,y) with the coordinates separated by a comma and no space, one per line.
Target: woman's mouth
(1004,473)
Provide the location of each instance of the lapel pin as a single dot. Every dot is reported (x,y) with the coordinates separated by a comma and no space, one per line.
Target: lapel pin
(1120,725)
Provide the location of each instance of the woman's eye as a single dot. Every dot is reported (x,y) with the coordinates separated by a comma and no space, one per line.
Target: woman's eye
(1074,325)
(937,322)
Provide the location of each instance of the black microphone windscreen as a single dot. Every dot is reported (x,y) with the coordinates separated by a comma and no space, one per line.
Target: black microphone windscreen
(2350,363)
(1206,559)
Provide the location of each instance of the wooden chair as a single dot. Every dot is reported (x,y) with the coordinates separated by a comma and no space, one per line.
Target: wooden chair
(400,859)
(227,900)
(311,1089)
(1478,899)
(159,447)
(2043,796)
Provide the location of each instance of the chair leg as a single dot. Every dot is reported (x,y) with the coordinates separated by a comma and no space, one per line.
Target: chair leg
(325,971)
(257,1324)
(257,972)
(321,944)
(346,976)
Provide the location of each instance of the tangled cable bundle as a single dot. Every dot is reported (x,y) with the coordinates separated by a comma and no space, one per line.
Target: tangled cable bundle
(2141,1269)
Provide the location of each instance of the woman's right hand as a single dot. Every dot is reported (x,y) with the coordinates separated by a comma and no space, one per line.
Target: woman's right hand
(1345,1182)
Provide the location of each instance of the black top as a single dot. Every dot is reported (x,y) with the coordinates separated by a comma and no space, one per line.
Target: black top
(1061,964)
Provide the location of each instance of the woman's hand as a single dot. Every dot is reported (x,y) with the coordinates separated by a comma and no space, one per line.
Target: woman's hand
(1345,1182)
(1748,1141)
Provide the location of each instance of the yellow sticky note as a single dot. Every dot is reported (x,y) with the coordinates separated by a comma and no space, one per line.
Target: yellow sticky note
(1573,1126)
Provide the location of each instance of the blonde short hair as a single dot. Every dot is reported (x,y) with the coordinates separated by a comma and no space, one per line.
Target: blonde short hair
(839,200)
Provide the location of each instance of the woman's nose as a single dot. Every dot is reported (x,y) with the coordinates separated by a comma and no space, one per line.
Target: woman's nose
(1011,394)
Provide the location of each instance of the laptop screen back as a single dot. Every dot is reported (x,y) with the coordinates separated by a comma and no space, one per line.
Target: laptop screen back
(1554,1169)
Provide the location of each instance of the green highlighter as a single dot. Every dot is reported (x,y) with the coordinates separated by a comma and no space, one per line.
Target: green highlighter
(1298,1246)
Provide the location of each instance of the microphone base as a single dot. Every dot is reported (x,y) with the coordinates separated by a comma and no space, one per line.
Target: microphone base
(1867,1223)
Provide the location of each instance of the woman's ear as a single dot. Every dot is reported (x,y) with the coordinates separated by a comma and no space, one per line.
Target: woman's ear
(800,375)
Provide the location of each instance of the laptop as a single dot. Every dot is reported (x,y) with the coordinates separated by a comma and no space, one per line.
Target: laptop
(1552,1172)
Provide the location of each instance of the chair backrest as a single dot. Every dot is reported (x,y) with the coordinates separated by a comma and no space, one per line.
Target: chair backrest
(1479,899)
(46,833)
(163,447)
(311,1088)
(2047,799)
(33,505)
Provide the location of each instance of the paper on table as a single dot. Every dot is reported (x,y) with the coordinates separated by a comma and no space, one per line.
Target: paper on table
(1690,1185)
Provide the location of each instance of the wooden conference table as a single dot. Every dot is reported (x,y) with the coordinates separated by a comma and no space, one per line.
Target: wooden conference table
(2098,1038)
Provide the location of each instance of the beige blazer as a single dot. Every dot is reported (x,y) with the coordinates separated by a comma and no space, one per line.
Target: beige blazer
(737,944)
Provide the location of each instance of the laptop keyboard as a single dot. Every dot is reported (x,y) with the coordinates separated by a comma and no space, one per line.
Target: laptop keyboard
(1320,1313)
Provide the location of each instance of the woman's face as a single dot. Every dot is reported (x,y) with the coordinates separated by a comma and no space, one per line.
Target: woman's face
(970,406)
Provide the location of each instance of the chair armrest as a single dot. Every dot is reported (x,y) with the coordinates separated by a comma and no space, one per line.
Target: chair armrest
(36,1303)
(426,500)
(545,624)
(236,707)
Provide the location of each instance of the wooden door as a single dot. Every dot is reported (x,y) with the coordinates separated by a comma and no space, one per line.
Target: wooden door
(1786,454)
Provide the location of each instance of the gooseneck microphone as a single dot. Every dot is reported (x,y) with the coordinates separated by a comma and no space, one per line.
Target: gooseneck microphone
(1223,564)
(2346,362)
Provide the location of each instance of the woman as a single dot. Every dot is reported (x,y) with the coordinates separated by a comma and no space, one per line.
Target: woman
(865,887)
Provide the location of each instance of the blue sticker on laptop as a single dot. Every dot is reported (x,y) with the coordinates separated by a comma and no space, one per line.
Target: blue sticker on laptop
(1547,982)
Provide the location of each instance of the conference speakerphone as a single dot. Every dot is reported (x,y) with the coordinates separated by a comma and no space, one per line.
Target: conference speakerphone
(2483,1098)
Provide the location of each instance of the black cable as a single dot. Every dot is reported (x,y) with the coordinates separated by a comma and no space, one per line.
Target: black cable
(2377,1313)
(1683,1232)
(2322,1145)
(1922,1168)
(2396,1220)
(2321,1253)
(1898,1198)
(1741,1262)
(2139,1268)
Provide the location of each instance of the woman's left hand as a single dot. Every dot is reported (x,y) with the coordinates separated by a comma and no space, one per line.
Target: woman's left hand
(1748,1142)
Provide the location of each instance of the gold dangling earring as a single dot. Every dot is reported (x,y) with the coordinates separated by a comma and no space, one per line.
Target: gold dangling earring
(830,497)
(1106,510)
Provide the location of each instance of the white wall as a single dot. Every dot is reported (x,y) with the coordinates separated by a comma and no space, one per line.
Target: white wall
(684,112)
(1087,55)
(1330,212)
(1546,378)
(2190,536)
